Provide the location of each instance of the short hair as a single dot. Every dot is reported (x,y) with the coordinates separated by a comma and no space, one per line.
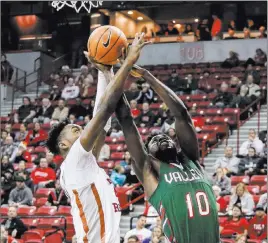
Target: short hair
(252,148)
(54,135)
(142,215)
(150,137)
(134,237)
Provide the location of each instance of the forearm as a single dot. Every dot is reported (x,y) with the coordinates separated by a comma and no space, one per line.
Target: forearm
(174,103)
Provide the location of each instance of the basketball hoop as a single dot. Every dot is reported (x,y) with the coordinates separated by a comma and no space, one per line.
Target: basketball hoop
(77,5)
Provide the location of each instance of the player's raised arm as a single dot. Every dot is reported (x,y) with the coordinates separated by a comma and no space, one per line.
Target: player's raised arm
(184,127)
(111,96)
(133,139)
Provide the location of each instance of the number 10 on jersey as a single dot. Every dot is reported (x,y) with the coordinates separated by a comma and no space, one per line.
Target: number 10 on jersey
(202,204)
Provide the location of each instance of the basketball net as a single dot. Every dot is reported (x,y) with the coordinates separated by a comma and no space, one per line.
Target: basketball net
(77,5)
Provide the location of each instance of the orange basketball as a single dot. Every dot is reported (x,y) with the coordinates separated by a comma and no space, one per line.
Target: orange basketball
(105,44)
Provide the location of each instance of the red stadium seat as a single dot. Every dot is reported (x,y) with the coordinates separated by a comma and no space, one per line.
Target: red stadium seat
(71,102)
(34,234)
(30,149)
(40,149)
(254,189)
(26,211)
(237,179)
(43,192)
(64,210)
(31,222)
(213,112)
(40,202)
(30,165)
(3,211)
(46,223)
(110,140)
(254,241)
(143,130)
(220,120)
(46,211)
(33,241)
(46,126)
(55,238)
(203,104)
(86,102)
(260,180)
(263,189)
(256,199)
(91,91)
(227,241)
(16,127)
(106,164)
(116,147)
(69,234)
(117,155)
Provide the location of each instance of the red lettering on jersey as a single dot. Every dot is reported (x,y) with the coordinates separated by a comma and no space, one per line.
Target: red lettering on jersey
(117,207)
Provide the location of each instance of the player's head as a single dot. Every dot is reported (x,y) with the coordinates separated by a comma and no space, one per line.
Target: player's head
(62,136)
(162,147)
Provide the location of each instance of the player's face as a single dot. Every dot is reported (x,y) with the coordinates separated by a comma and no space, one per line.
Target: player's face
(71,133)
(163,148)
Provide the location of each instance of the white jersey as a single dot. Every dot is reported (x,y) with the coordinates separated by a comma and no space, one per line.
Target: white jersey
(95,207)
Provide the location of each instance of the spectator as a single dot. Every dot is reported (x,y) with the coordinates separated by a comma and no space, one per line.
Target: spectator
(261,168)
(61,112)
(223,98)
(44,113)
(6,165)
(133,92)
(132,239)
(140,231)
(173,82)
(191,85)
(72,119)
(126,163)
(235,82)
(231,34)
(222,181)
(13,224)
(216,30)
(229,162)
(248,165)
(22,154)
(161,115)
(134,110)
(232,25)
(87,119)
(21,194)
(90,108)
(168,123)
(23,172)
(4,237)
(253,141)
(202,32)
(55,93)
(9,148)
(78,110)
(151,214)
(66,74)
(257,228)
(71,91)
(84,74)
(43,176)
(232,61)
(171,30)
(251,25)
(204,84)
(104,153)
(251,71)
(37,136)
(116,133)
(221,202)
(235,223)
(243,197)
(156,237)
(253,90)
(57,198)
(6,69)
(8,128)
(146,94)
(262,33)
(26,112)
(84,88)
(246,32)
(263,201)
(260,58)
(49,158)
(146,118)
(22,133)
(117,177)
(4,135)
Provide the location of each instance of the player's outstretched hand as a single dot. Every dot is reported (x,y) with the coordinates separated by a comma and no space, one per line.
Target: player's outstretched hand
(135,49)
(103,68)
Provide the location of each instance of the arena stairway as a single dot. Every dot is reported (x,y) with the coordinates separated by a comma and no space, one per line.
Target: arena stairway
(251,123)
(7,105)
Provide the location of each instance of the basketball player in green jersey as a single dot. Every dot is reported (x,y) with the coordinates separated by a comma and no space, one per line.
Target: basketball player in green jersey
(173,181)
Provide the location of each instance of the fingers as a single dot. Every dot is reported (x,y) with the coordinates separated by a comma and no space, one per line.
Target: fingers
(146,43)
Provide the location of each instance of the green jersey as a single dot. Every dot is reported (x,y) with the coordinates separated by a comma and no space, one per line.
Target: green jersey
(186,204)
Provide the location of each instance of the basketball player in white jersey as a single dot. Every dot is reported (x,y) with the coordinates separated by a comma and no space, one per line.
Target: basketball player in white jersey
(95,207)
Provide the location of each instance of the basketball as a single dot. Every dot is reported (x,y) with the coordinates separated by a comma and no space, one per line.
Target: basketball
(105,44)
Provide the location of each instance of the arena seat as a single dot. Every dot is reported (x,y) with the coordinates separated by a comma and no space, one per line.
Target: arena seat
(110,140)
(217,120)
(30,149)
(33,234)
(227,241)
(254,189)
(263,189)
(143,130)
(116,147)
(237,179)
(40,202)
(46,223)
(64,210)
(15,127)
(30,126)
(106,164)
(4,211)
(71,102)
(46,211)
(30,222)
(86,102)
(46,126)
(254,241)
(33,241)
(43,192)
(256,199)
(40,149)
(117,155)
(26,211)
(260,180)
(213,112)
(55,238)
